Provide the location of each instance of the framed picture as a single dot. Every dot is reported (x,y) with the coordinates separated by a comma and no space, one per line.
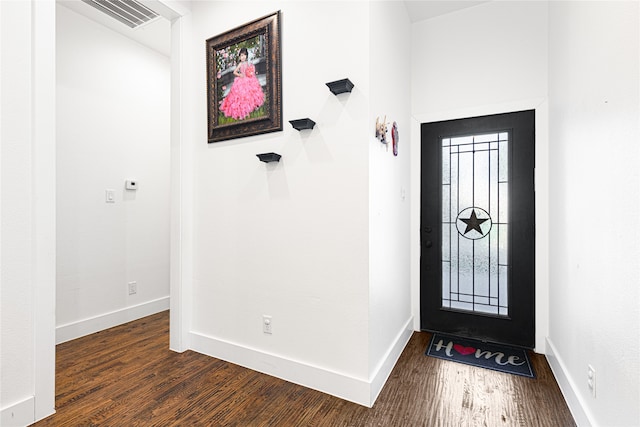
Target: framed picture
(244,80)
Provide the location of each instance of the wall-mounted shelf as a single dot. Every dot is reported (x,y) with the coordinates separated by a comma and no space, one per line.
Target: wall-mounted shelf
(301,124)
(340,86)
(269,157)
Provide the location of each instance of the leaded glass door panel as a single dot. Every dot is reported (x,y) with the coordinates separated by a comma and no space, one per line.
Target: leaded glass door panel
(477,227)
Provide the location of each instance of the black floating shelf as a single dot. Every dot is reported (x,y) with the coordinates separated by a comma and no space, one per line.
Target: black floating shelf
(340,86)
(269,157)
(300,124)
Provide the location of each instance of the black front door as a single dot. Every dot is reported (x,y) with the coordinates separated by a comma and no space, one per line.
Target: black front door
(477,228)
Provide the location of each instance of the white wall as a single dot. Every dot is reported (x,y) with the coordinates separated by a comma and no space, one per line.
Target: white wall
(389,189)
(595,197)
(487,59)
(291,240)
(16,219)
(113,112)
(488,55)
(27,215)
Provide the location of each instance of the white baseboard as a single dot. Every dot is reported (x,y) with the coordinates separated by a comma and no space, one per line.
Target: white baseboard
(568,387)
(20,414)
(383,370)
(78,329)
(357,390)
(343,386)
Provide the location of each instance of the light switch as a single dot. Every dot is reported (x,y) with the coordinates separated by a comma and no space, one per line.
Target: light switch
(110,196)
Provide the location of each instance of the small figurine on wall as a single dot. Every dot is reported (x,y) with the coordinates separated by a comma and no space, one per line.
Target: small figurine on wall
(381,130)
(395,138)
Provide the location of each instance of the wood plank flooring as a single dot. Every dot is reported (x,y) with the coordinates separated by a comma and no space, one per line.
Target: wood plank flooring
(127,376)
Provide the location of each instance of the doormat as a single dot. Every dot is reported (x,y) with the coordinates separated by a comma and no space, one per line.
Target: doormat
(497,357)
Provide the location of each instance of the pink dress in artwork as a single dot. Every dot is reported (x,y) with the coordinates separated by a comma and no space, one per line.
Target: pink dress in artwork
(245,95)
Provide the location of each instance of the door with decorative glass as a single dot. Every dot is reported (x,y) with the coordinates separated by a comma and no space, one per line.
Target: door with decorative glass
(477,228)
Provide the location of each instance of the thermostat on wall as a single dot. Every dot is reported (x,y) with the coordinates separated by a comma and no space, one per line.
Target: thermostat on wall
(131,185)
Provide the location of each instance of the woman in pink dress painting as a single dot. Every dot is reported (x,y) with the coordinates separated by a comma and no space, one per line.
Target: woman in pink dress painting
(246,93)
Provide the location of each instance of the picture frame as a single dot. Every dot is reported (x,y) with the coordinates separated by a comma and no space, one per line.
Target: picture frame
(244,80)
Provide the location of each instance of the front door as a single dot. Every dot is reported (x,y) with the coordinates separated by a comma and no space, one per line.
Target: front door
(477,228)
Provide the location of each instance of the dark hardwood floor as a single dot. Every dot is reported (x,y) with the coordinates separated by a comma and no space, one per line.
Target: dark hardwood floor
(127,376)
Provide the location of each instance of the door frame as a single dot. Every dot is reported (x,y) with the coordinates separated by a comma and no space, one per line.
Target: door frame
(540,106)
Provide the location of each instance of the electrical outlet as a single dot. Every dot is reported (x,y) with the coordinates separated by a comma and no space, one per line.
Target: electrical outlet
(591,380)
(266,324)
(133,288)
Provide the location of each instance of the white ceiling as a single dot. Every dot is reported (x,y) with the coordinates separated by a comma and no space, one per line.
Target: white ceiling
(155,35)
(419,10)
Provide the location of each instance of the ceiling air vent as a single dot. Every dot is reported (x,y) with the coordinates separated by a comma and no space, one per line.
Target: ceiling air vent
(129,12)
